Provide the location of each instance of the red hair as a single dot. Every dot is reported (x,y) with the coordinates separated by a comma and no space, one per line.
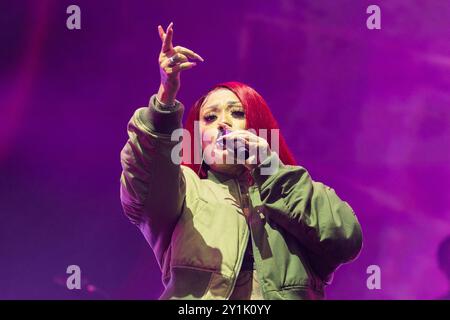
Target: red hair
(257,115)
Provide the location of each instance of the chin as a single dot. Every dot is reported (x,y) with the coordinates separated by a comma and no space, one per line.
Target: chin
(223,167)
(230,169)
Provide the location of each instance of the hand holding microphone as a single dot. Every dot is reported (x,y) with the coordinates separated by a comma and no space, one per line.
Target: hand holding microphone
(236,146)
(242,142)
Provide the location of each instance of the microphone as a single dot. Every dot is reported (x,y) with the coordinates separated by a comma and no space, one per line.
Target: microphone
(240,150)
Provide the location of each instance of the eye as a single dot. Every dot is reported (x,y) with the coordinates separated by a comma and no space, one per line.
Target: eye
(210,117)
(238,113)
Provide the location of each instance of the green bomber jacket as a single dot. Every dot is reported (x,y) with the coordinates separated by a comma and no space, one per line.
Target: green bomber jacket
(300,230)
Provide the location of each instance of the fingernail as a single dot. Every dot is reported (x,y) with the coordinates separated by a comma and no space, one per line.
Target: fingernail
(201,59)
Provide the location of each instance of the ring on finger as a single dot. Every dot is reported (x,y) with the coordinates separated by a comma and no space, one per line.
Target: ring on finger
(172,61)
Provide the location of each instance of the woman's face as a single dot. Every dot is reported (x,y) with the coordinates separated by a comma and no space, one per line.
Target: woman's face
(221,109)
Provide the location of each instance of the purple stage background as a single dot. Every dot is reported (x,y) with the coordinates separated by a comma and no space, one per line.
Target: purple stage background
(367,112)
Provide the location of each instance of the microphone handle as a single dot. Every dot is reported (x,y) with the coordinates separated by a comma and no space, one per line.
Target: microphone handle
(241,150)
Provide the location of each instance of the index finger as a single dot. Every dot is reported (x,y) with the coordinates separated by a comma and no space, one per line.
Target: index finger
(161,33)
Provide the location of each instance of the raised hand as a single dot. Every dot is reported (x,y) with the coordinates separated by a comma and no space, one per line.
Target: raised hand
(172,60)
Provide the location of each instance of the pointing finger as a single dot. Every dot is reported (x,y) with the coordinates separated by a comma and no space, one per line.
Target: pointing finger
(161,33)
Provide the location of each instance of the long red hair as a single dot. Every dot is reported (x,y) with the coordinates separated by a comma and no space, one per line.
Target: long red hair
(257,114)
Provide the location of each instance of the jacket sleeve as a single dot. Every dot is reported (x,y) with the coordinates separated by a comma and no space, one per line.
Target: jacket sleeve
(312,212)
(152,186)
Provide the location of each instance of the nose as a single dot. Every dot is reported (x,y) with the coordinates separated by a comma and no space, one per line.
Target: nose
(224,125)
(225,122)
(225,119)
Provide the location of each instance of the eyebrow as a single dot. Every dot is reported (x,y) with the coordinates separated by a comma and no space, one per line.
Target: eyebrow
(229,105)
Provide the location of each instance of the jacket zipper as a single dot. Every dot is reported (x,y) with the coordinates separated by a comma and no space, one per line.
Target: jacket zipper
(253,250)
(241,255)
